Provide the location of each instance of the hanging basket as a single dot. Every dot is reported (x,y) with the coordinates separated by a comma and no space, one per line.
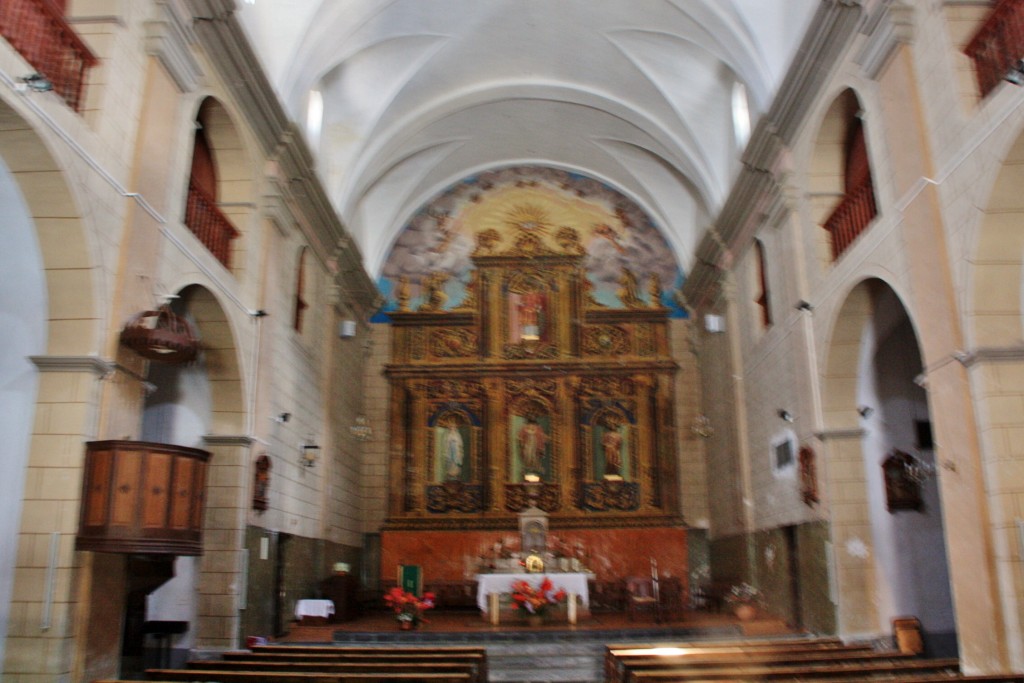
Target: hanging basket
(162,336)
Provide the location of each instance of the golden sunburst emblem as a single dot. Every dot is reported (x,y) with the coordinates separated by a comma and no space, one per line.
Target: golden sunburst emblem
(528,217)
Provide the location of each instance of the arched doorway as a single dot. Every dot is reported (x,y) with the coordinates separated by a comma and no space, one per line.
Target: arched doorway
(181,410)
(892,560)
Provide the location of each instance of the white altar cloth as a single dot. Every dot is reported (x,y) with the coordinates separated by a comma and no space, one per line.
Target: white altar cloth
(314,608)
(574,583)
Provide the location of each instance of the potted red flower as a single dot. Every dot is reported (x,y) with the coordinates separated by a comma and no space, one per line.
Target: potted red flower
(408,607)
(535,601)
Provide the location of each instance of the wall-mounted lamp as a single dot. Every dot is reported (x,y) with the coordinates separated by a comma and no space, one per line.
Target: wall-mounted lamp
(786,415)
(310,452)
(804,306)
(37,83)
(361,430)
(281,417)
(865,411)
(1016,73)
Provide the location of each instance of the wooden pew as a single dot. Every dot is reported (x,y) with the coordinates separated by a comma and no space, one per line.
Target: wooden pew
(331,649)
(838,671)
(717,660)
(476,660)
(475,655)
(436,666)
(619,657)
(212,676)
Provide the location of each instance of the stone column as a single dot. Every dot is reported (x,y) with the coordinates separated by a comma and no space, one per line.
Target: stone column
(222,565)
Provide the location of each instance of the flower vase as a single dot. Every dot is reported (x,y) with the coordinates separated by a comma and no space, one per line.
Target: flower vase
(406,625)
(745,612)
(535,620)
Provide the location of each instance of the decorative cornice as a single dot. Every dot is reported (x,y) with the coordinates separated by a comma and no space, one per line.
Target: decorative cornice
(221,36)
(101,367)
(228,440)
(839,434)
(991,354)
(169,39)
(274,206)
(589,520)
(888,27)
(830,32)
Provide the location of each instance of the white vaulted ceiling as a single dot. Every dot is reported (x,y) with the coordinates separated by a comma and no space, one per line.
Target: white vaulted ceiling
(418,94)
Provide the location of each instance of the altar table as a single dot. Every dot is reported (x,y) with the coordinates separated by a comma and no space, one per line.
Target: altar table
(322,609)
(490,586)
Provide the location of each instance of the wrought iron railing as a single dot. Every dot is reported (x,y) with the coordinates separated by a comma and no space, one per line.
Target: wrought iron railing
(37,30)
(851,217)
(998,45)
(209,224)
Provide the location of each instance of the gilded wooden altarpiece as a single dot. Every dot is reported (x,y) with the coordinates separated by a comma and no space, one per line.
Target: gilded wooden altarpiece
(530,390)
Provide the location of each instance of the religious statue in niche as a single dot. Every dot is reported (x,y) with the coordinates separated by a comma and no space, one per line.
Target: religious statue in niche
(261,484)
(452,434)
(528,316)
(531,443)
(808,476)
(611,447)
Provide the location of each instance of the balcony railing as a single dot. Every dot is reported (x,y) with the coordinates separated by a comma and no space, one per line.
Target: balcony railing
(851,217)
(998,44)
(37,30)
(209,224)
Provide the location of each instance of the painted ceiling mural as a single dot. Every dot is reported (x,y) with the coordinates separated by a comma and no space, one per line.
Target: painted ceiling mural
(614,231)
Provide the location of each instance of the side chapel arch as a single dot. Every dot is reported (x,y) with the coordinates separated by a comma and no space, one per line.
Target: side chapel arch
(50,310)
(890,559)
(996,275)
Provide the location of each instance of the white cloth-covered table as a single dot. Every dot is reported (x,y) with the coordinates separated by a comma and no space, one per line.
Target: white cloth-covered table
(573,583)
(314,608)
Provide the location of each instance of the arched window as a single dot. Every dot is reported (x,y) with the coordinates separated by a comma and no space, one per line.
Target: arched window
(842,159)
(740,114)
(202,215)
(300,287)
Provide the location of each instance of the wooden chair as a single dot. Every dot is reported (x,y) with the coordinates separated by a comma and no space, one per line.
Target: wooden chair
(642,594)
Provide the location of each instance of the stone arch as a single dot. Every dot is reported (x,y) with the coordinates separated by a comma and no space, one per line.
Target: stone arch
(233,176)
(997,276)
(220,356)
(838,170)
(64,244)
(189,404)
(876,403)
(50,313)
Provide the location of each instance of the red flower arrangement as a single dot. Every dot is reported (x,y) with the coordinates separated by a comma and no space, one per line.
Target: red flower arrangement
(536,600)
(408,607)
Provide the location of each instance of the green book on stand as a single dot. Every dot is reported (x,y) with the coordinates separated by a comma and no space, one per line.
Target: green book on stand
(410,579)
